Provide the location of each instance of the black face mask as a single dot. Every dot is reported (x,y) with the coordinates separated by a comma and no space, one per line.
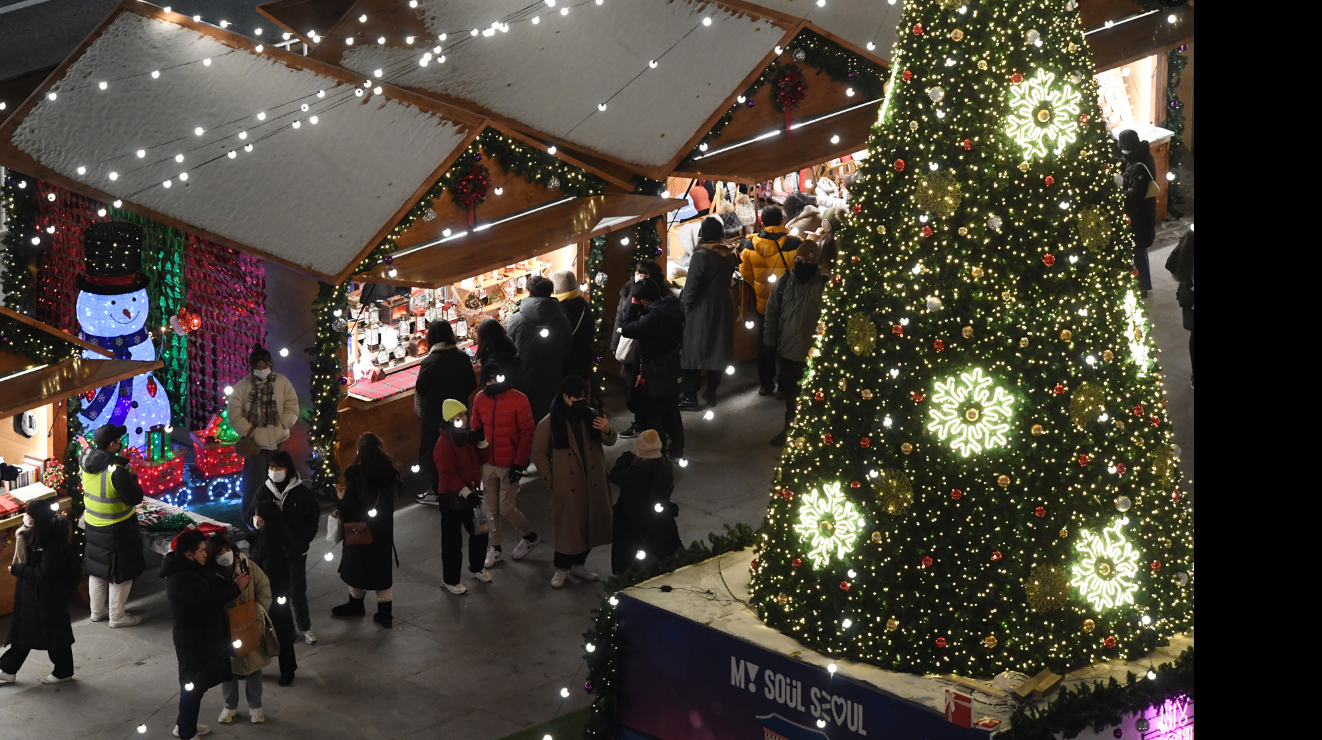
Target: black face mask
(459,436)
(803,271)
(495,389)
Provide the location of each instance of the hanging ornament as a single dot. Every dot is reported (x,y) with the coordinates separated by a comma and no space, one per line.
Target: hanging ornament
(1156,565)
(788,90)
(938,193)
(151,386)
(940,642)
(1023,166)
(927,231)
(844,384)
(996,556)
(1122,503)
(782,598)
(1040,511)
(471,191)
(927,561)
(1032,37)
(1016,78)
(1107,355)
(881,229)
(828,439)
(553,183)
(1138,409)
(429,215)
(878,537)
(862,335)
(1047,588)
(956,35)
(982,64)
(1109,642)
(939,345)
(906,75)
(918,29)
(913,125)
(1037,430)
(967,144)
(866,394)
(1048,259)
(897,330)
(865,443)
(1084,459)
(989,641)
(917,396)
(844,585)
(956,494)
(899,165)
(796,562)
(1064,532)
(894,491)
(906,448)
(1120,468)
(966,332)
(1059,390)
(1003,481)
(600,279)
(936,94)
(800,55)
(1087,402)
(1049,181)
(1089,625)
(892,624)
(819,396)
(994,222)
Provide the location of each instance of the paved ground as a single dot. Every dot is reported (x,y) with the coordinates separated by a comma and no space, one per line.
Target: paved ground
(481,666)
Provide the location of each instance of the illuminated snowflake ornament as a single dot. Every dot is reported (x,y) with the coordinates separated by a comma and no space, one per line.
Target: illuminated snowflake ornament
(1041,112)
(828,523)
(1107,566)
(970,413)
(1136,330)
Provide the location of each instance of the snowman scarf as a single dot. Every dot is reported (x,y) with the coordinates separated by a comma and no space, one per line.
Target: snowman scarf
(121,346)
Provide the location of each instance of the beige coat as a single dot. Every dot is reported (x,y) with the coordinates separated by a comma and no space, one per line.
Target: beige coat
(582,518)
(259,589)
(286,402)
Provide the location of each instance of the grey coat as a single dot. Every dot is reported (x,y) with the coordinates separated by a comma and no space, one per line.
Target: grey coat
(793,311)
(543,357)
(709,309)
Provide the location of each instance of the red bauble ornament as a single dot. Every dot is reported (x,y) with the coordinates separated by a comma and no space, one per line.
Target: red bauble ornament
(941,642)
(855,484)
(1083,118)
(1109,642)
(1084,460)
(939,344)
(865,443)
(1049,180)
(968,145)
(1138,409)
(1016,78)
(918,29)
(857,208)
(1041,511)
(754,564)
(787,494)
(796,562)
(927,231)
(88,396)
(899,165)
(844,585)
(1059,390)
(918,397)
(897,330)
(1120,468)
(957,494)
(151,386)
(906,75)
(828,439)
(1048,259)
(1156,565)
(1175,497)
(819,396)
(996,555)
(927,561)
(1155,421)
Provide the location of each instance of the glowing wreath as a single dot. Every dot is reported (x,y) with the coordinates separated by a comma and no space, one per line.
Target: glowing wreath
(828,523)
(970,413)
(1106,568)
(1041,112)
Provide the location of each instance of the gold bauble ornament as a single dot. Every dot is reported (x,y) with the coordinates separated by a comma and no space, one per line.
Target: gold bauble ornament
(989,641)
(1107,355)
(967,332)
(1048,588)
(881,229)
(782,598)
(1023,166)
(1066,335)
(1064,532)
(866,394)
(982,64)
(956,35)
(1003,481)
(939,193)
(892,624)
(861,334)
(913,125)
(978,272)
(821,329)
(1037,430)
(844,384)
(1094,229)
(1089,625)
(1023,341)
(878,538)
(906,448)
(894,491)
(971,413)
(1120,425)
(1087,402)
(962,231)
(1073,47)
(1044,115)
(1007,296)
(814,352)
(801,441)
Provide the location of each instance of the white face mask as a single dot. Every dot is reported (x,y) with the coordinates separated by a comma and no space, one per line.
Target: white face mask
(27,520)
(262,374)
(278,476)
(225,559)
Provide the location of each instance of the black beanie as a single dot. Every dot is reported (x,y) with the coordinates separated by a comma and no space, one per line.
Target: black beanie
(259,353)
(711,230)
(489,372)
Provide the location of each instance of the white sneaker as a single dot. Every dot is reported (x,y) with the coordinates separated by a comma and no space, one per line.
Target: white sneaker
(581,572)
(227,715)
(7,678)
(524,547)
(493,556)
(428,498)
(97,617)
(558,580)
(201,730)
(457,589)
(257,716)
(483,576)
(51,679)
(310,637)
(128,621)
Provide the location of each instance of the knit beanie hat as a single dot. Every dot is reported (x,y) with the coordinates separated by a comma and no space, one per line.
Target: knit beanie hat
(491,371)
(564,281)
(832,216)
(451,408)
(648,445)
(711,230)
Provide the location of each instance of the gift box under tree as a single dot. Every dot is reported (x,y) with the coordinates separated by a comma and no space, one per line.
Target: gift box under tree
(162,467)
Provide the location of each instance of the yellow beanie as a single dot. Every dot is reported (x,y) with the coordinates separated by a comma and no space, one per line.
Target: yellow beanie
(451,408)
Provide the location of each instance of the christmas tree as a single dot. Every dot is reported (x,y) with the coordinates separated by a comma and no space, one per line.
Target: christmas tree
(981,476)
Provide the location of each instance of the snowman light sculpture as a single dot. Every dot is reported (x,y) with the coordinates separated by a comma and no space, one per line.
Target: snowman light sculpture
(112,313)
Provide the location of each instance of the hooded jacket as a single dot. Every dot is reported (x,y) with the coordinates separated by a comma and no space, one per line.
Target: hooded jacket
(114,553)
(198,595)
(542,356)
(770,252)
(505,421)
(299,505)
(659,329)
(792,315)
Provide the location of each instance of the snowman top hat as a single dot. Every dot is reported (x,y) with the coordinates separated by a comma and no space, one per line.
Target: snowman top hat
(112,258)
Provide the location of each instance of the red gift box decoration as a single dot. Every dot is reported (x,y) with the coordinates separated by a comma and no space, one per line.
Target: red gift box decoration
(959,708)
(161,475)
(213,448)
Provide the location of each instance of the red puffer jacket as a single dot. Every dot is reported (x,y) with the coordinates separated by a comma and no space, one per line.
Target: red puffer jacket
(458,466)
(506,420)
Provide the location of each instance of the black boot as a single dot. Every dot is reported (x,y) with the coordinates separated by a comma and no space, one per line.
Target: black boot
(383,614)
(354,608)
(689,403)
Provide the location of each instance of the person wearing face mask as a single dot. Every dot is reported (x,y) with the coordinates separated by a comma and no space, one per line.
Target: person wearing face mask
(45,568)
(301,513)
(567,450)
(274,549)
(793,310)
(1140,186)
(446,372)
(265,407)
(460,467)
(629,370)
(202,642)
(656,321)
(708,314)
(113,556)
(248,666)
(767,258)
(502,421)
(368,495)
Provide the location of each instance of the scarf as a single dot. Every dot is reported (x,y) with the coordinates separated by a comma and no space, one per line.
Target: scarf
(21,545)
(562,297)
(560,419)
(291,482)
(122,392)
(260,409)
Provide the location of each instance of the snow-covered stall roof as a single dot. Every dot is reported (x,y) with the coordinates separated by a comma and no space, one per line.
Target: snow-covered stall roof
(286,157)
(548,71)
(868,26)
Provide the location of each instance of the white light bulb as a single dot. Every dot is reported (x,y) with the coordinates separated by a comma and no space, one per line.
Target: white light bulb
(166,184)
(1090,360)
(102,85)
(1064,205)
(393,272)
(257,31)
(1103,417)
(1146,621)
(895,372)
(748,324)
(872,46)
(229,389)
(550,3)
(224,24)
(821,723)
(445,232)
(261,116)
(413,3)
(142,153)
(381,39)
(831,668)
(286,36)
(779,51)
(546,333)
(280,600)
(50,229)
(851,573)
(1074,258)
(328,556)
(313,120)
(933,166)
(348,41)
(183,177)
(36,240)
(1152,675)
(1170,176)
(156,74)
(564,693)
(550,149)
(614,601)
(729,369)
(846,623)
(237,644)
(709,415)
(641,555)
(408,39)
(142,729)
(590,648)
(821,3)
(375,73)
(118,204)
(651,64)
(536,20)
(702,147)
(835,139)
(873,474)
(601,106)
(922,220)
(849,92)
(1171,18)
(771,278)
(82,170)
(167,8)
(706,21)
(101,212)
(474,32)
(564,11)
(371,512)
(188,686)
(683,462)
(659,508)
(233,154)
(624,241)
(358,93)
(206,62)
(197,19)
(247,147)
(376,90)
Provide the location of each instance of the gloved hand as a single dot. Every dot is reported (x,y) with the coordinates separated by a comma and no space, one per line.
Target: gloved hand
(517,472)
(465,492)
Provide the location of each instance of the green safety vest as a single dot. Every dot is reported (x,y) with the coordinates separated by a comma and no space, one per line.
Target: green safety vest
(103,504)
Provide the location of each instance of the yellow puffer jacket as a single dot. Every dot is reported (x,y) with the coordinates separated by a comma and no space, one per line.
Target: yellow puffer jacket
(770,256)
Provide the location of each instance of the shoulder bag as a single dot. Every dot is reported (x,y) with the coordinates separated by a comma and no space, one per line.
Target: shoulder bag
(358,533)
(626,350)
(246,447)
(244,628)
(1153,188)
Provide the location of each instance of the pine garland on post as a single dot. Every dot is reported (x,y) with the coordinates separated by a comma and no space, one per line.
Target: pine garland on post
(647,234)
(19,193)
(1176,61)
(73,482)
(597,299)
(323,414)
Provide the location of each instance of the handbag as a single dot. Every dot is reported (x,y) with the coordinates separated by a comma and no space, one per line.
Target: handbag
(1153,188)
(334,532)
(246,447)
(244,628)
(358,533)
(270,640)
(626,350)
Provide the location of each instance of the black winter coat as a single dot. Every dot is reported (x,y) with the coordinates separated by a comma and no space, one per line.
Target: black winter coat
(643,483)
(40,620)
(659,329)
(198,595)
(445,373)
(302,511)
(543,357)
(368,567)
(114,553)
(582,322)
(1140,169)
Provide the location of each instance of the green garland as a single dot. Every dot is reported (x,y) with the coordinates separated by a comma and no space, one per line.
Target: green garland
(73,480)
(19,196)
(323,414)
(646,234)
(534,165)
(1099,706)
(597,299)
(840,64)
(36,345)
(604,659)
(1176,61)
